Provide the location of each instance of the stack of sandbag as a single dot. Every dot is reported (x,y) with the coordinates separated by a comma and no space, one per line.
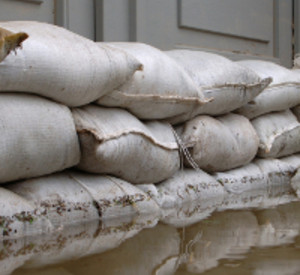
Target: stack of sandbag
(275,112)
(229,146)
(44,70)
(124,98)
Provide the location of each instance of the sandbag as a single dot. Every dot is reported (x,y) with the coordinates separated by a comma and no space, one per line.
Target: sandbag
(212,140)
(254,184)
(73,197)
(185,186)
(229,84)
(19,217)
(281,94)
(38,137)
(162,90)
(114,141)
(278,134)
(62,65)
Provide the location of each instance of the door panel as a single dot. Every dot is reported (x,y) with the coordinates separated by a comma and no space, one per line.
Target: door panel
(76,15)
(216,16)
(239,29)
(27,10)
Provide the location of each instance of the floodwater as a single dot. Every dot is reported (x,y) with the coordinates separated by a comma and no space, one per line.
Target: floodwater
(260,241)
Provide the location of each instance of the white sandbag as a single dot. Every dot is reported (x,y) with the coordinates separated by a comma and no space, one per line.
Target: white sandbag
(229,84)
(19,217)
(281,94)
(252,185)
(38,137)
(62,65)
(162,90)
(189,213)
(278,134)
(185,186)
(114,141)
(213,140)
(73,197)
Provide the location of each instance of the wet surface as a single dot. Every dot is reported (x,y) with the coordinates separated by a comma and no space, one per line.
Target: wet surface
(260,241)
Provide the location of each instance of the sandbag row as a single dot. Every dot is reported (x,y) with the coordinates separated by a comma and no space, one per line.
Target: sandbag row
(124,98)
(45,204)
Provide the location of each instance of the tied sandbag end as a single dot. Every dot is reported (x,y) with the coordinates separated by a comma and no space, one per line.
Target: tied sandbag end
(11,43)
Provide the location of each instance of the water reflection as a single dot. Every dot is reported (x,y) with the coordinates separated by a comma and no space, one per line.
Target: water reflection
(264,241)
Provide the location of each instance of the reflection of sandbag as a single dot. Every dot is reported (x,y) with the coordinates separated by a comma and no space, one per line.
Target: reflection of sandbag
(162,90)
(186,197)
(254,184)
(113,141)
(276,265)
(229,84)
(70,242)
(19,217)
(71,197)
(282,93)
(144,254)
(13,254)
(278,133)
(48,271)
(279,226)
(81,240)
(38,137)
(213,140)
(222,235)
(62,65)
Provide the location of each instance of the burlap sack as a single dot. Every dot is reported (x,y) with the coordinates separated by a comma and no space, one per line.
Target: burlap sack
(229,84)
(281,94)
(114,141)
(62,65)
(38,137)
(162,90)
(278,134)
(219,144)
